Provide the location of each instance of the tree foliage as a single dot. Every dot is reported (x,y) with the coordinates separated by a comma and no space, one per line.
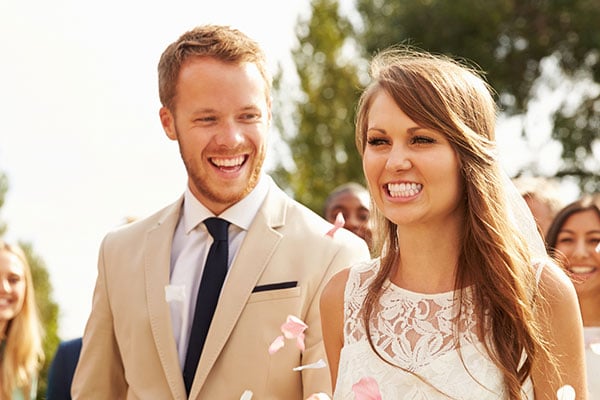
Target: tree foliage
(323,147)
(43,292)
(510,40)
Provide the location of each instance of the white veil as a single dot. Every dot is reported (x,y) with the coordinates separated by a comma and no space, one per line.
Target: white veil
(522,219)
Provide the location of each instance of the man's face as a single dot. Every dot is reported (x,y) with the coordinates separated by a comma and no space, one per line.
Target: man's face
(221,119)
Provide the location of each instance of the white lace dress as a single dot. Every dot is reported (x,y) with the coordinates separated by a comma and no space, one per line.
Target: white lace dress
(592,360)
(414,331)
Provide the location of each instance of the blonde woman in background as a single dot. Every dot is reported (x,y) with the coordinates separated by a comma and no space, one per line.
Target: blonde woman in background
(464,302)
(21,353)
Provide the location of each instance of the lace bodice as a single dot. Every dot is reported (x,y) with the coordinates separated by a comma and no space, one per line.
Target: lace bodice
(417,333)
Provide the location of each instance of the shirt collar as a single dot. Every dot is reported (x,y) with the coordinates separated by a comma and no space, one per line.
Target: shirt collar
(240,214)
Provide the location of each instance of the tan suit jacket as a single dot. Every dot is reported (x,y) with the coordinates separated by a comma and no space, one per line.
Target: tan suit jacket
(129,349)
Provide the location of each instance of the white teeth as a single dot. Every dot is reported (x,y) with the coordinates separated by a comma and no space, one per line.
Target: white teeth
(228,162)
(581,269)
(404,189)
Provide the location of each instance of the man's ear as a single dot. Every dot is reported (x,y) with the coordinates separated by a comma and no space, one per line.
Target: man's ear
(168,122)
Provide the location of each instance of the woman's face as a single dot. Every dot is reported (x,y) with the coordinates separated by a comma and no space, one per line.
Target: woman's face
(413,172)
(578,240)
(12,286)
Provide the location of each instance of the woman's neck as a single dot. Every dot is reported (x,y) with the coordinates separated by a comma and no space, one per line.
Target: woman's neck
(428,259)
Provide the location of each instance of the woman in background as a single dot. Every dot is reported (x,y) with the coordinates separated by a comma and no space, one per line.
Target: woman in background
(463,302)
(21,353)
(574,237)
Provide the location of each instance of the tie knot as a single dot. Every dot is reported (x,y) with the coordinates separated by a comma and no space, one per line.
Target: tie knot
(217,227)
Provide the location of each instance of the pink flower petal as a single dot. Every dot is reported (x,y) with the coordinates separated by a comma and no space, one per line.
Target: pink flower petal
(366,389)
(293,327)
(339,223)
(300,342)
(276,345)
(319,396)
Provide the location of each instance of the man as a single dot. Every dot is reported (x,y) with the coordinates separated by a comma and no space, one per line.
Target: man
(215,92)
(353,201)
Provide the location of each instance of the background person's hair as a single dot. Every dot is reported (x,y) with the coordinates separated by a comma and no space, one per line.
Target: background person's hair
(221,42)
(23,352)
(443,95)
(349,187)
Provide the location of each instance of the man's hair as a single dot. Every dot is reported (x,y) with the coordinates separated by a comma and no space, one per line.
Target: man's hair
(221,42)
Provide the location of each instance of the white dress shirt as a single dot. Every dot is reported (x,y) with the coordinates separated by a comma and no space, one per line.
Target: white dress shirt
(191,242)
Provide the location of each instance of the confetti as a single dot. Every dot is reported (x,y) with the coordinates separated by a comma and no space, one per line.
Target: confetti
(292,328)
(316,365)
(277,344)
(247,395)
(339,223)
(174,293)
(319,396)
(566,393)
(367,389)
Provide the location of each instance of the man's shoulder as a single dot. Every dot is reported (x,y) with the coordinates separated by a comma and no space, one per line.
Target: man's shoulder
(134,224)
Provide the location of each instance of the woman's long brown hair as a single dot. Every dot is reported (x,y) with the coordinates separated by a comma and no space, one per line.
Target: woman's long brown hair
(446,96)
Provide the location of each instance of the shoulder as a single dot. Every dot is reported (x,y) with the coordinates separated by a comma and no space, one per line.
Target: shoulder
(359,274)
(332,297)
(559,298)
(553,282)
(168,215)
(336,285)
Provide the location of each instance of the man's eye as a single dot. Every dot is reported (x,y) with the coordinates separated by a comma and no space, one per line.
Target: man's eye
(251,117)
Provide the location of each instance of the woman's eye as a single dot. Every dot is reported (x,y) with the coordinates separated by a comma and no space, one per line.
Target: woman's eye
(564,239)
(422,140)
(374,141)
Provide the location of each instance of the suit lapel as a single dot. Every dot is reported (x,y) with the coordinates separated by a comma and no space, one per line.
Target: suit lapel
(249,264)
(156,268)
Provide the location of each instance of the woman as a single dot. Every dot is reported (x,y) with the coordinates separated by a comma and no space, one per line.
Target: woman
(21,351)
(574,237)
(456,306)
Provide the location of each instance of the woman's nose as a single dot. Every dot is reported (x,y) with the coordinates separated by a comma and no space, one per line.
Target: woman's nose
(4,286)
(581,250)
(398,159)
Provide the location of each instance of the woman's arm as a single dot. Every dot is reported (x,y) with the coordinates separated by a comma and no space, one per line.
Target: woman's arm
(560,320)
(332,320)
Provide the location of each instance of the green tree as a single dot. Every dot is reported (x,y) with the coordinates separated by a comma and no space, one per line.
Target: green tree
(511,40)
(43,292)
(323,147)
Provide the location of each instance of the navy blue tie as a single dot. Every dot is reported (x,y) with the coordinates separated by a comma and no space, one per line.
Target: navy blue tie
(213,276)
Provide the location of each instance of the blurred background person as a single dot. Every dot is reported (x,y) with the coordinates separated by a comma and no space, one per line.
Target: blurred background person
(574,238)
(543,197)
(21,353)
(353,201)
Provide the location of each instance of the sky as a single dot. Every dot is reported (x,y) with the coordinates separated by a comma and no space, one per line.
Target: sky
(81,141)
